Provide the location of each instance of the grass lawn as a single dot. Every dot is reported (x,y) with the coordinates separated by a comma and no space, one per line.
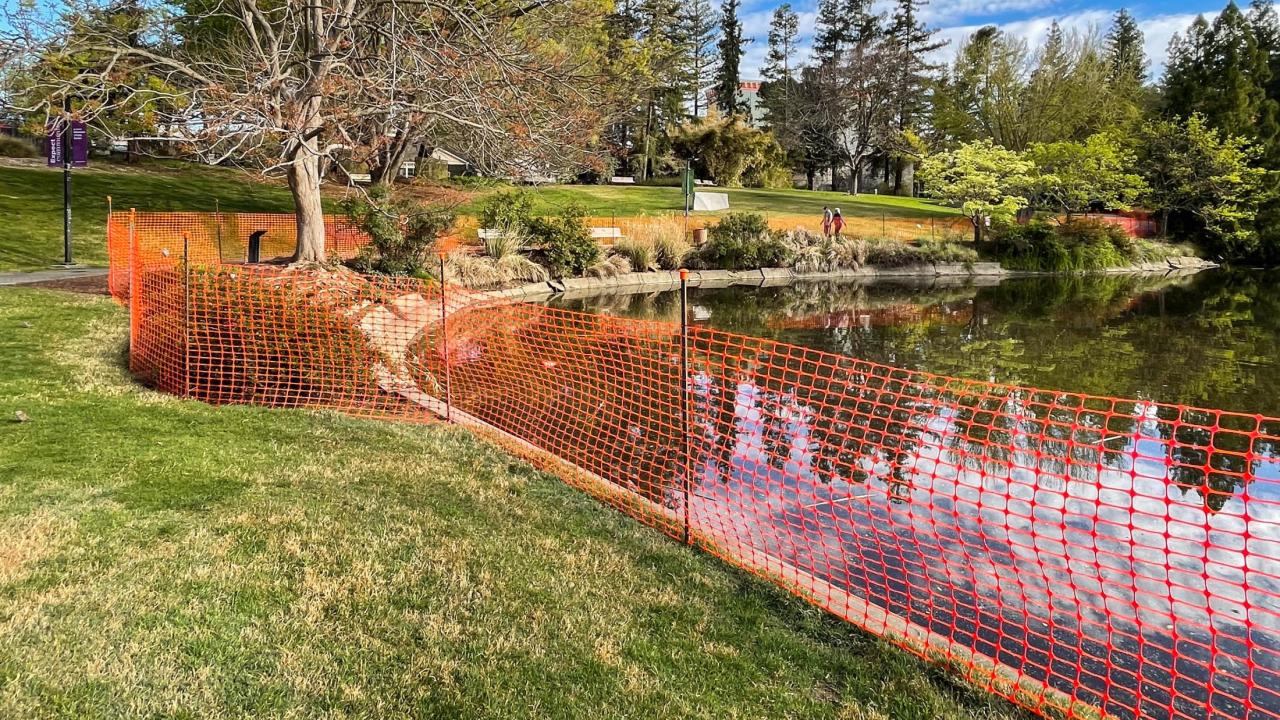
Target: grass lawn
(31,204)
(164,558)
(605,200)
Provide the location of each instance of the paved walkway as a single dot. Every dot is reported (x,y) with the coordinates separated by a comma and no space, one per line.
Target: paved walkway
(52,274)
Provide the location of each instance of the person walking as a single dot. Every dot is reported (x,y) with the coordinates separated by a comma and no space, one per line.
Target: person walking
(826,221)
(837,223)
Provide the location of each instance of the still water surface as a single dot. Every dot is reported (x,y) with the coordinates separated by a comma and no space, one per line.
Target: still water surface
(1208,340)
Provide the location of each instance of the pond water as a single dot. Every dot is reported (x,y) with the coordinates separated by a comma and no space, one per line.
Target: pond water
(1209,340)
(1132,588)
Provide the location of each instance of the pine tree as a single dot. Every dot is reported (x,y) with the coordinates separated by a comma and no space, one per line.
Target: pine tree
(833,33)
(1185,72)
(911,42)
(841,25)
(1235,98)
(700,22)
(1126,60)
(779,80)
(1266,30)
(728,75)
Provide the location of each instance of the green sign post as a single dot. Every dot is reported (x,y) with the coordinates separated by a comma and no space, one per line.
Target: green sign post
(687,183)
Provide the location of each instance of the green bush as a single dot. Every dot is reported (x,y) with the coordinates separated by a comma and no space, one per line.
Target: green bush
(507,210)
(17,147)
(1071,246)
(567,246)
(402,233)
(639,253)
(743,241)
(476,182)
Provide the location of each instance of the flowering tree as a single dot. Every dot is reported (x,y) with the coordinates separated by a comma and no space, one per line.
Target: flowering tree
(981,178)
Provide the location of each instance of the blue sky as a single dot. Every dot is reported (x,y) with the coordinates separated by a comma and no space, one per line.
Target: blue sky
(1025,18)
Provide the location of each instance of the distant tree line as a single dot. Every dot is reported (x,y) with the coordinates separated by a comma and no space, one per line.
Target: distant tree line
(594,88)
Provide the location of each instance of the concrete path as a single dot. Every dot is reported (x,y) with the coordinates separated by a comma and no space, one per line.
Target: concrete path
(37,276)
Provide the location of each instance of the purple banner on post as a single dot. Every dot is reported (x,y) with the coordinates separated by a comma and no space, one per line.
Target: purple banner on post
(79,144)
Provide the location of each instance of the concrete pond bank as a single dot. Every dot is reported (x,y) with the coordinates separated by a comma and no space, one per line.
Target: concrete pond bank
(986,273)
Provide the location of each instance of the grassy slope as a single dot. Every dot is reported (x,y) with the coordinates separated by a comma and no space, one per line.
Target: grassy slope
(31,203)
(644,200)
(160,557)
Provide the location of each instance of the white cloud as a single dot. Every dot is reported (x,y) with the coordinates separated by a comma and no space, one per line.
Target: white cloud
(1157,29)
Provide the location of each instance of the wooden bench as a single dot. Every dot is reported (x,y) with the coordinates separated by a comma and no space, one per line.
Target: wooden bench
(622,180)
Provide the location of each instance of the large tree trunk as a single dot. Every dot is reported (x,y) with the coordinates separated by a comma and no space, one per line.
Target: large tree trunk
(304,184)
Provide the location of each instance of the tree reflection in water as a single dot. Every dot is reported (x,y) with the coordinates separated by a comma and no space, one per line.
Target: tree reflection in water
(1050,530)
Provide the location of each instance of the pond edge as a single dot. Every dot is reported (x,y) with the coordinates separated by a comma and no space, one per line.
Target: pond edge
(773,277)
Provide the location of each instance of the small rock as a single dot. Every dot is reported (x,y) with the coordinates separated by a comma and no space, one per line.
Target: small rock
(21,417)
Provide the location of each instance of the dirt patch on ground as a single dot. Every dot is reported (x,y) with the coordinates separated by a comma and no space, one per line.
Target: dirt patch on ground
(92,285)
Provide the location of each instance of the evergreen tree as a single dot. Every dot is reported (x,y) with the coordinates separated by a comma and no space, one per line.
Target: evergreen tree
(728,75)
(700,21)
(777,91)
(833,32)
(911,42)
(1126,60)
(1185,72)
(1266,31)
(1234,98)
(841,25)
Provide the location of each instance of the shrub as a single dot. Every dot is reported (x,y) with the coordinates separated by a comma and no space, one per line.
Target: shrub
(671,251)
(612,266)
(814,253)
(641,254)
(475,271)
(17,147)
(504,243)
(402,233)
(566,243)
(743,241)
(475,181)
(1071,246)
(665,235)
(507,211)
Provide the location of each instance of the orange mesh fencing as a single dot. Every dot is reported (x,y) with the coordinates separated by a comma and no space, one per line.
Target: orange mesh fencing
(212,238)
(1082,556)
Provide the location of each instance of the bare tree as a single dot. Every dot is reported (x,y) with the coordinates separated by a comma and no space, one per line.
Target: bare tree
(286,86)
(862,103)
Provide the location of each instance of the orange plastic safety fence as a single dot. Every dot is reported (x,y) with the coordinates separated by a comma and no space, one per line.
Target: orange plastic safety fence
(1079,555)
(212,238)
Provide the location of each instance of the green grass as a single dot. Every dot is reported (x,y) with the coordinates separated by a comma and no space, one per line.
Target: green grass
(31,204)
(164,558)
(650,200)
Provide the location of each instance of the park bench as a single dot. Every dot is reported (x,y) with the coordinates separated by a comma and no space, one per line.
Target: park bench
(622,180)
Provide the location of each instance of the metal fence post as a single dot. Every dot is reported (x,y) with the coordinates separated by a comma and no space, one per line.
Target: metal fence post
(135,316)
(686,427)
(186,316)
(444,346)
(217,226)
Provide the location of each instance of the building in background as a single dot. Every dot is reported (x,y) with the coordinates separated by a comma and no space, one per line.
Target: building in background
(749,98)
